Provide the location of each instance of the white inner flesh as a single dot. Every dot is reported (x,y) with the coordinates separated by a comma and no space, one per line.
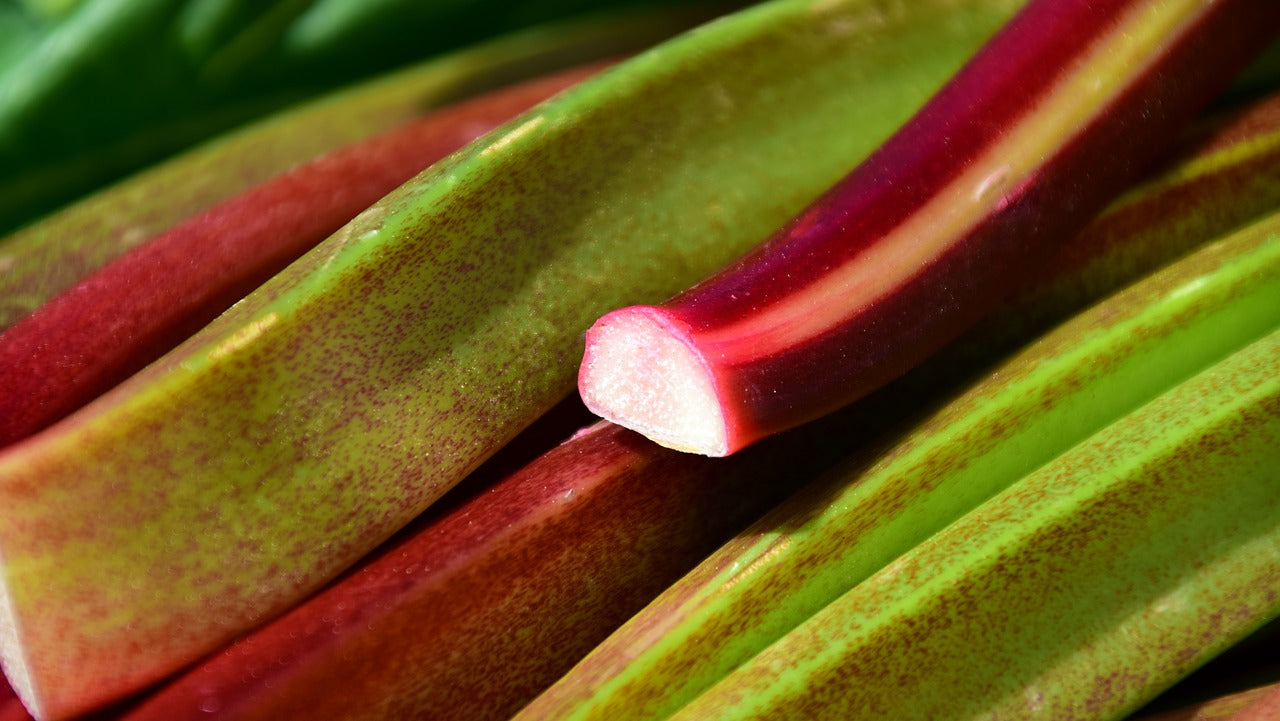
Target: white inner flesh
(640,373)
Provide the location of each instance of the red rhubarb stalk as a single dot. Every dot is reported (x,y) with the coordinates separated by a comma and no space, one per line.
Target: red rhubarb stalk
(1055,116)
(130,312)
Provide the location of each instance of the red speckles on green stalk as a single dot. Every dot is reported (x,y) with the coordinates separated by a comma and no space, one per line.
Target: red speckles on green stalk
(1092,370)
(237,474)
(138,307)
(484,606)
(1080,592)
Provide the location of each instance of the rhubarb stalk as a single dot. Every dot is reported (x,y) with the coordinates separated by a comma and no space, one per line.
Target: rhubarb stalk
(127,314)
(1090,371)
(1054,117)
(1079,592)
(483,607)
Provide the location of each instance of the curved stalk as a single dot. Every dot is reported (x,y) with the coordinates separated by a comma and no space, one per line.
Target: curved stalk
(1052,119)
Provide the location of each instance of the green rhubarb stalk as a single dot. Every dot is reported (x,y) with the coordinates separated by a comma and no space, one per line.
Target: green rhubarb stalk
(1079,592)
(52,254)
(1087,373)
(232,477)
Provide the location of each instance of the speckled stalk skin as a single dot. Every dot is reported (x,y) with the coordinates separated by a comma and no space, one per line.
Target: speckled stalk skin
(231,478)
(940,223)
(1086,373)
(1250,665)
(141,305)
(483,607)
(1078,593)
(52,254)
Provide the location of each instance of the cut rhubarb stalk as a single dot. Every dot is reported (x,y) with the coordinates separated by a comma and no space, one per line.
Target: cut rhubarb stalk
(236,475)
(127,314)
(1052,119)
(431,639)
(1085,374)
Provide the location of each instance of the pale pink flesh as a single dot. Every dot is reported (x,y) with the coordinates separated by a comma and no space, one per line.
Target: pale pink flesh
(645,348)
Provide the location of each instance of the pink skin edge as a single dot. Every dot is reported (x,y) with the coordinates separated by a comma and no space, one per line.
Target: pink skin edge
(878,342)
(118,319)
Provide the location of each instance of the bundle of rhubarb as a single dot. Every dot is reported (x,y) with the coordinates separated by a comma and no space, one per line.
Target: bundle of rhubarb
(938,343)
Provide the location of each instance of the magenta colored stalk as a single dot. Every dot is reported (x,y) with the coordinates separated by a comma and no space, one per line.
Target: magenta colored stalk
(931,232)
(130,312)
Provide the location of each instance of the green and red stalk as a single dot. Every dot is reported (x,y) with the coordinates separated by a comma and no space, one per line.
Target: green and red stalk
(1223,686)
(484,606)
(1095,368)
(130,312)
(53,254)
(1080,592)
(1053,118)
(332,405)
(1226,168)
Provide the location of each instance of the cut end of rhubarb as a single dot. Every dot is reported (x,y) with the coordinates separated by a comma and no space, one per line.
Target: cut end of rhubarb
(641,372)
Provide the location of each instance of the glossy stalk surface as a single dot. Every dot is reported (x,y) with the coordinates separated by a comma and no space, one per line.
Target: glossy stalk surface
(1079,592)
(141,305)
(1056,116)
(1087,373)
(483,607)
